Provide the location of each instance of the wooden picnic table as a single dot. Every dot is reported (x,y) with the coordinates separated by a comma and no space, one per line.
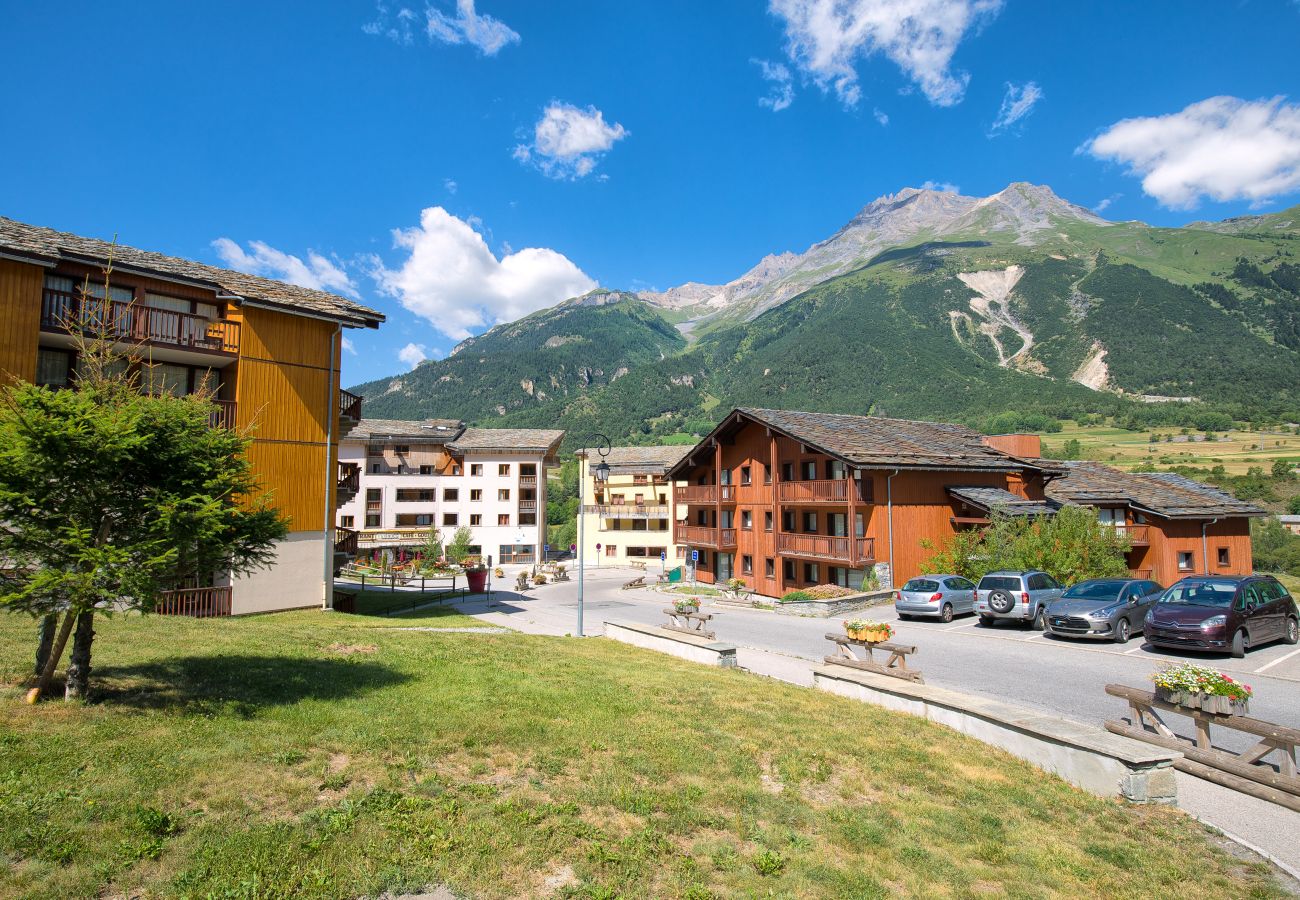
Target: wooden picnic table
(689,622)
(895,665)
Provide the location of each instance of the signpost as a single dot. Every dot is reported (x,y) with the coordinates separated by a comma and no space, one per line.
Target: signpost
(663,561)
(695,564)
(598,556)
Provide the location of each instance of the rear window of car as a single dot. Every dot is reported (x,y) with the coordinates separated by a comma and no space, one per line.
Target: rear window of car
(921,585)
(1000,583)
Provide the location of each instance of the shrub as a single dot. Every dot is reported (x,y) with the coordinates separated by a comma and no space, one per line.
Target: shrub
(769,862)
(828,591)
(797,597)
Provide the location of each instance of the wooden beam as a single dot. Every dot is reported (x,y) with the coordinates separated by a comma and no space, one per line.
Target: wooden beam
(1217,759)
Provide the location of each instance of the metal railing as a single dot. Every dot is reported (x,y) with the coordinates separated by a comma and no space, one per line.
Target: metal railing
(122,321)
(845,549)
(201,603)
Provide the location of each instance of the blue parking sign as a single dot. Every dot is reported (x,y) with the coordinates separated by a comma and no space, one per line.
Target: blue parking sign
(663,554)
(695,556)
(546,547)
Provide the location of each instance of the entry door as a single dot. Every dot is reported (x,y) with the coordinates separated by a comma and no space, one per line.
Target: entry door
(725,563)
(838,523)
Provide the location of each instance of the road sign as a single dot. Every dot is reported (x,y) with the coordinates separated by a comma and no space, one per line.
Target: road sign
(663,554)
(573,547)
(695,554)
(546,547)
(598,546)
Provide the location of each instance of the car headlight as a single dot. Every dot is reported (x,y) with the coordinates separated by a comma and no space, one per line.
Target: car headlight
(1105,612)
(1214,622)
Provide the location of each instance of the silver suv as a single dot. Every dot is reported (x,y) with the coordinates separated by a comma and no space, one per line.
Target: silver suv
(1017,596)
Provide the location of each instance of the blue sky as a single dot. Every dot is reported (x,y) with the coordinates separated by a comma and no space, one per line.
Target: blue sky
(520,150)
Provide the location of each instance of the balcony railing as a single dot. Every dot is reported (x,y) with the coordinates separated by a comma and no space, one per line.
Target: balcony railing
(527,480)
(121,321)
(224,415)
(628,510)
(703,536)
(1144,574)
(202,603)
(527,505)
(821,491)
(696,493)
(851,550)
(1138,535)
(345,541)
(349,478)
(349,406)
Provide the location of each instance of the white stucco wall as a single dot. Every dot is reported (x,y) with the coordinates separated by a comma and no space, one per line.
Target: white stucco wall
(296,579)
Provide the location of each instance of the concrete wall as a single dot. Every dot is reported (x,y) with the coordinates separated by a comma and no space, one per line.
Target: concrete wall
(296,579)
(674,643)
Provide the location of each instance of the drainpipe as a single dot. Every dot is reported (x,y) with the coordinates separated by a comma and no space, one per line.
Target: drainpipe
(1205,553)
(889,500)
(331,410)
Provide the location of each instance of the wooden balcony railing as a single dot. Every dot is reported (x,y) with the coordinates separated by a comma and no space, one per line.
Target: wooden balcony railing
(224,415)
(1138,535)
(374,506)
(842,549)
(628,511)
(121,321)
(349,478)
(1144,574)
(703,536)
(696,493)
(349,406)
(345,541)
(201,603)
(527,505)
(527,480)
(822,491)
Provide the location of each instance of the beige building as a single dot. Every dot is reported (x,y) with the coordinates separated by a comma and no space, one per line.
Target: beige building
(629,518)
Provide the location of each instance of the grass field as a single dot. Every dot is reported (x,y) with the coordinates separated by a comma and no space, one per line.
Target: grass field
(1236,451)
(321,755)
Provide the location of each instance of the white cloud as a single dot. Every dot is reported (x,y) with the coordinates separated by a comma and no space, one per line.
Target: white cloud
(1224,148)
(825,38)
(941,186)
(317,272)
(465,26)
(413,354)
(348,346)
(1017,103)
(451,278)
(881,117)
(1104,204)
(781,93)
(568,141)
(450,185)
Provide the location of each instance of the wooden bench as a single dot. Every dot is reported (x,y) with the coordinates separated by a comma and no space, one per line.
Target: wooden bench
(634,583)
(689,622)
(522,581)
(894,666)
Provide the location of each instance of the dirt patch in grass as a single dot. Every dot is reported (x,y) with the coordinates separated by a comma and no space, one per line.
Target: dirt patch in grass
(349,649)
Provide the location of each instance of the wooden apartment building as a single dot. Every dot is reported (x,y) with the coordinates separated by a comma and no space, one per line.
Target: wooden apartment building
(269,351)
(783,500)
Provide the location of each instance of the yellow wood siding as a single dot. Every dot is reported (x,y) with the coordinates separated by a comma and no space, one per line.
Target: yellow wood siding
(20,318)
(289,340)
(283,403)
(294,476)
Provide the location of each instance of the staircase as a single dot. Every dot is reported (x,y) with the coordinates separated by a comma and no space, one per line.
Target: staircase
(349,412)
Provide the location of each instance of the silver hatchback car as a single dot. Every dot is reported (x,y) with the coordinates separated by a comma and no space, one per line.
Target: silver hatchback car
(939,596)
(1018,596)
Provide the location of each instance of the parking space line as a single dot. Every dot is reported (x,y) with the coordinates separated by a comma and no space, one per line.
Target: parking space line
(1270,665)
(1034,637)
(961,625)
(1134,650)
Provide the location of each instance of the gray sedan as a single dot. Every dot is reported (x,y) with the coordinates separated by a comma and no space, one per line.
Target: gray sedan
(1108,609)
(939,596)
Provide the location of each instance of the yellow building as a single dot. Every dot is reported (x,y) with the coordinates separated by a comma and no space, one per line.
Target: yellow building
(269,351)
(629,518)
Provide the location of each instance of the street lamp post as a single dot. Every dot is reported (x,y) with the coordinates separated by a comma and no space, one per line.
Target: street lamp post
(600,472)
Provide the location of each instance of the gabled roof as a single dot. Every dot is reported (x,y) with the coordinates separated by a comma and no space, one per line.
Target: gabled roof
(508,440)
(640,460)
(995,499)
(1165,494)
(440,431)
(46,246)
(876,442)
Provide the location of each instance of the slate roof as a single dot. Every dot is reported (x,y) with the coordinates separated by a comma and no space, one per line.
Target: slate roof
(875,442)
(440,430)
(992,499)
(507,440)
(1165,494)
(641,460)
(45,245)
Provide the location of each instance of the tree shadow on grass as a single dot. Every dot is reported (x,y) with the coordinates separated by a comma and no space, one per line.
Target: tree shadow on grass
(238,683)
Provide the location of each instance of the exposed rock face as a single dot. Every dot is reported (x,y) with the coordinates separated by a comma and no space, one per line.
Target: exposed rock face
(1093,372)
(992,307)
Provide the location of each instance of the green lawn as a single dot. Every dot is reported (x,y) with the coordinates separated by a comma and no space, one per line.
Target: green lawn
(310,754)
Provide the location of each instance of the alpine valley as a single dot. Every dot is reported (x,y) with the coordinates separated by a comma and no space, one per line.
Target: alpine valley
(928,304)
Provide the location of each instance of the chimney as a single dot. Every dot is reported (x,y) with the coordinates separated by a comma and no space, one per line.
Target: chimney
(1026,446)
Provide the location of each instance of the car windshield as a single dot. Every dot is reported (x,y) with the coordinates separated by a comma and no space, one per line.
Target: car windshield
(1202,593)
(921,585)
(1095,590)
(1000,583)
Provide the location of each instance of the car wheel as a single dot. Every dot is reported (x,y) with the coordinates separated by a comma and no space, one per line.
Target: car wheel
(1238,649)
(1292,631)
(1040,619)
(986,621)
(905,617)
(1001,602)
(946,615)
(1123,631)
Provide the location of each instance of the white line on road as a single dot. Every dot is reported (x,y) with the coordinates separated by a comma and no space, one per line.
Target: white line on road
(1276,661)
(961,625)
(1134,650)
(1033,637)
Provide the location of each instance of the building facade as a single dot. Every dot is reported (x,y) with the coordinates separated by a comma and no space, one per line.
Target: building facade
(785,500)
(268,352)
(630,517)
(412,476)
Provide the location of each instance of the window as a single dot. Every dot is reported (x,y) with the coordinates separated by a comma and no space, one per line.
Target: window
(455,469)
(746,520)
(503,519)
(372,520)
(809,467)
(810,573)
(769,567)
(867,486)
(402,449)
(747,565)
(787,520)
(346,521)
(451,518)
(426,470)
(53,367)
(787,471)
(414,520)
(787,570)
(376,468)
(527,518)
(1185,562)
(416,495)
(475,469)
(451,495)
(834,470)
(810,523)
(640,525)
(638,551)
(767,475)
(374,495)
(611,550)
(767,520)
(167,378)
(518,553)
(475,495)
(745,477)
(616,525)
(1224,558)
(476,518)
(374,449)
(639,479)
(503,469)
(503,493)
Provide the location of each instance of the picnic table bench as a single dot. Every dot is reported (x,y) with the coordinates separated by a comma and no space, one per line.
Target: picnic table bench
(894,666)
(637,582)
(689,622)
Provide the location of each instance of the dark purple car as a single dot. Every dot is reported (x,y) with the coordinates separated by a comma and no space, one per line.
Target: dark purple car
(1223,614)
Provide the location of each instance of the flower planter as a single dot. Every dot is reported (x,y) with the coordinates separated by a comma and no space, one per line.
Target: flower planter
(1210,703)
(477,579)
(873,637)
(686,607)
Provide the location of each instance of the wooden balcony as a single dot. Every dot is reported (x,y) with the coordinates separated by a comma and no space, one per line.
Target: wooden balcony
(1144,574)
(705,493)
(627,511)
(69,313)
(224,415)
(528,506)
(349,411)
(822,491)
(1138,535)
(703,536)
(349,481)
(854,551)
(201,603)
(345,541)
(528,481)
